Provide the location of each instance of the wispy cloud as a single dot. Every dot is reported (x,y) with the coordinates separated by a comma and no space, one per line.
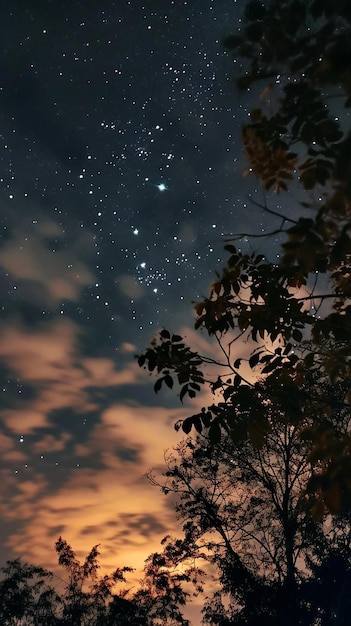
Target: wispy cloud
(47,360)
(34,254)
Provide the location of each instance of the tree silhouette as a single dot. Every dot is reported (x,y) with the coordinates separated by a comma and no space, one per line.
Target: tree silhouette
(86,594)
(123,611)
(26,597)
(162,592)
(241,510)
(295,314)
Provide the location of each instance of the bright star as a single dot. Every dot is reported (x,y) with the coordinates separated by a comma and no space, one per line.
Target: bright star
(161,187)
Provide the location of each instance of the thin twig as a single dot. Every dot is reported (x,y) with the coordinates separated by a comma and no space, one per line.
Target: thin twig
(264,207)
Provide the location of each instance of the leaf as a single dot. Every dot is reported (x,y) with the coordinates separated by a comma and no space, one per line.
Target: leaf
(206,417)
(168,381)
(195,386)
(165,334)
(266,358)
(330,130)
(237,363)
(197,423)
(183,376)
(293,359)
(309,359)
(176,338)
(215,433)
(216,385)
(151,362)
(187,425)
(259,258)
(227,393)
(183,391)
(232,261)
(297,334)
(272,365)
(141,360)
(254,359)
(158,384)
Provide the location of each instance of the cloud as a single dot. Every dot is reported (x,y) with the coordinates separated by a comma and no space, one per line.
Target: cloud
(130,287)
(102,372)
(129,347)
(34,256)
(47,360)
(21,421)
(51,443)
(9,453)
(115,508)
(104,497)
(106,500)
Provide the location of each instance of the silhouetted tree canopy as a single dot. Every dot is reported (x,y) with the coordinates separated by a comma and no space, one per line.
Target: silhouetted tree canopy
(241,512)
(27,598)
(281,329)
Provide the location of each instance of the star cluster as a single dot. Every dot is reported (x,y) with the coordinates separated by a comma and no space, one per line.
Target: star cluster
(121,121)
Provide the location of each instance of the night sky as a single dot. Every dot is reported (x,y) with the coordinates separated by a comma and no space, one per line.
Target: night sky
(121,168)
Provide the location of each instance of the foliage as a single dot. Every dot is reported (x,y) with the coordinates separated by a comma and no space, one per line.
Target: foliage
(26,599)
(241,511)
(25,593)
(327,592)
(304,48)
(162,591)
(172,353)
(293,316)
(80,601)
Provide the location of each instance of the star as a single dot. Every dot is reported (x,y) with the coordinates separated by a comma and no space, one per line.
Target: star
(162,187)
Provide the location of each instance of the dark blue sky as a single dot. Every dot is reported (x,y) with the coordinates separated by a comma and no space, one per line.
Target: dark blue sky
(100,105)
